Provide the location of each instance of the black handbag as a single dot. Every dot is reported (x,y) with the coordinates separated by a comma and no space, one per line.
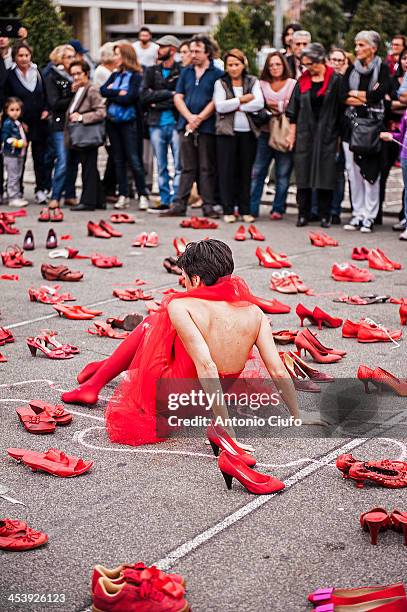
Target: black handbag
(365,135)
(82,135)
(261,117)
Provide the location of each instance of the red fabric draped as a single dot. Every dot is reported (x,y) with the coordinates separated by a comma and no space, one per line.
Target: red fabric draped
(305,81)
(131,416)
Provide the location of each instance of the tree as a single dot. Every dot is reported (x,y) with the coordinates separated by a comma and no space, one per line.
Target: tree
(233,31)
(46,28)
(380,15)
(260,15)
(325,20)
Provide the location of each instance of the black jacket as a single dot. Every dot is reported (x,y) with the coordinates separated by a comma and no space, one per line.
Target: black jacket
(34,103)
(59,98)
(3,77)
(157,92)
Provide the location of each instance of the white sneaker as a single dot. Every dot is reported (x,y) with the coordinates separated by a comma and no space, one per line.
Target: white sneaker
(229,218)
(144,203)
(403,236)
(367,226)
(18,202)
(41,197)
(353,225)
(248,218)
(122,202)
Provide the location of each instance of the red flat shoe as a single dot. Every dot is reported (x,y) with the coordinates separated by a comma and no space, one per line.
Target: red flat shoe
(254,233)
(219,439)
(16,536)
(36,423)
(104,329)
(104,261)
(323,318)
(53,462)
(45,215)
(38,343)
(374,521)
(349,273)
(270,306)
(233,466)
(121,218)
(281,258)
(60,273)
(377,262)
(356,596)
(370,331)
(360,253)
(95,230)
(240,233)
(109,229)
(399,523)
(57,215)
(57,412)
(152,240)
(304,313)
(316,240)
(266,260)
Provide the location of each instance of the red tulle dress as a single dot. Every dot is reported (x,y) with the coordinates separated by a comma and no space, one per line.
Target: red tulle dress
(131,415)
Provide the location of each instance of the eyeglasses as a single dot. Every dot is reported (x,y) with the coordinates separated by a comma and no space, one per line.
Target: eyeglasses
(337,60)
(306,64)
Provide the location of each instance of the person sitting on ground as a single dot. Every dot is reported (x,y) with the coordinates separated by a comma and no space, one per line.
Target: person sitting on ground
(211,331)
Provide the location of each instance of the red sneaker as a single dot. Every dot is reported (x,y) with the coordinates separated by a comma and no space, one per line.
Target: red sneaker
(350,273)
(377,262)
(370,331)
(350,329)
(111,597)
(17,536)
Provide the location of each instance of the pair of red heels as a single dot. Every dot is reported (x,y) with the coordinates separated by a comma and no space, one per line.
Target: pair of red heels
(254,234)
(306,341)
(102,230)
(321,239)
(385,472)
(376,258)
(146,240)
(47,339)
(38,417)
(381,378)
(234,462)
(378,519)
(303,376)
(317,317)
(271,259)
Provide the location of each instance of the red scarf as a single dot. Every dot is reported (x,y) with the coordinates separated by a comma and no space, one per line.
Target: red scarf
(306,82)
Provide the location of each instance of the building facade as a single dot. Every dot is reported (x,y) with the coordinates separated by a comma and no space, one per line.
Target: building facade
(96,21)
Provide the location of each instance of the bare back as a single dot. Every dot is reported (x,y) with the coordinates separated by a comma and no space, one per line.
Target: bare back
(230,331)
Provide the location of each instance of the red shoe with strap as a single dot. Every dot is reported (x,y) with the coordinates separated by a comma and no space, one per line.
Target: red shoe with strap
(350,273)
(180,245)
(17,536)
(254,233)
(53,462)
(126,596)
(5,228)
(36,423)
(6,336)
(45,215)
(57,412)
(140,240)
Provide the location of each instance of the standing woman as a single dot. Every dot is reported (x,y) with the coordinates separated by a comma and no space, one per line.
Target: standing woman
(88,108)
(58,82)
(236,95)
(314,112)
(277,87)
(25,82)
(365,85)
(124,123)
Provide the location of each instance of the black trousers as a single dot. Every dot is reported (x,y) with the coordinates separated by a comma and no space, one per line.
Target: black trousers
(109,178)
(1,175)
(235,158)
(92,191)
(304,201)
(198,162)
(38,151)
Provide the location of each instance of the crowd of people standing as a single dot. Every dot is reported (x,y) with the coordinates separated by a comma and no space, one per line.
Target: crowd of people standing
(322,117)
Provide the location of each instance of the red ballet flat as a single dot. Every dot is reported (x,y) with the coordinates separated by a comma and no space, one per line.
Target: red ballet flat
(53,462)
(121,218)
(356,596)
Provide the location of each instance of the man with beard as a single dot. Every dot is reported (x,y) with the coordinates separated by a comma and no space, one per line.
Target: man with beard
(157,95)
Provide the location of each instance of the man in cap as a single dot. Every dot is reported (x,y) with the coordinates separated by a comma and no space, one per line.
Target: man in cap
(157,95)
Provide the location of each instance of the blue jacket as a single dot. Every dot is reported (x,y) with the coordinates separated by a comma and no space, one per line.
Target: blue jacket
(10,130)
(198,94)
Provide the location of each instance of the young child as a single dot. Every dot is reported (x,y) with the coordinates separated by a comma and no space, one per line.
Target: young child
(401,138)
(14,144)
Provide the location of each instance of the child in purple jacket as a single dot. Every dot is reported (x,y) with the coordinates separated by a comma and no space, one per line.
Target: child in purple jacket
(401,137)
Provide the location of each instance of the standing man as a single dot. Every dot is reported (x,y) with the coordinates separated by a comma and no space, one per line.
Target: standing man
(300,39)
(398,44)
(197,125)
(146,51)
(157,95)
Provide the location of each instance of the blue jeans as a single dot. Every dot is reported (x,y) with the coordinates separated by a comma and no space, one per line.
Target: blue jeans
(162,137)
(403,163)
(284,165)
(124,141)
(58,179)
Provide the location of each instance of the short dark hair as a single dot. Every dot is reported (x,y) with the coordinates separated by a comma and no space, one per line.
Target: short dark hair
(399,71)
(266,76)
(185,43)
(401,37)
(290,26)
(13,100)
(84,65)
(209,259)
(144,29)
(20,44)
(199,39)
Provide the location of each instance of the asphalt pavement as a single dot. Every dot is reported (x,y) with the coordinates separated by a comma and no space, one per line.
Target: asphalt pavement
(168,503)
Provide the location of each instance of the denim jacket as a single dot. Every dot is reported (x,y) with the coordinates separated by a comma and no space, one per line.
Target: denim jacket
(11,137)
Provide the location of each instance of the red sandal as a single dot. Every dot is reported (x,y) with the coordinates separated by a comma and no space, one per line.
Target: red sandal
(106,330)
(57,412)
(36,423)
(131,295)
(53,461)
(39,343)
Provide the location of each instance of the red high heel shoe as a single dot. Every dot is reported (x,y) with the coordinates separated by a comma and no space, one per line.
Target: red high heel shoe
(52,240)
(152,240)
(219,439)
(13,257)
(383,378)
(49,337)
(323,318)
(356,596)
(374,521)
(109,229)
(320,355)
(240,233)
(403,314)
(399,523)
(314,340)
(270,306)
(232,466)
(314,374)
(301,380)
(254,233)
(39,343)
(180,244)
(365,375)
(95,230)
(5,228)
(266,260)
(281,258)
(304,313)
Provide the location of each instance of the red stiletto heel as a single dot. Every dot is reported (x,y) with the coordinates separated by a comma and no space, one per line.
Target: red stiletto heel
(322,317)
(365,375)
(219,439)
(320,356)
(240,233)
(281,258)
(314,340)
(232,466)
(304,313)
(301,380)
(374,521)
(254,233)
(266,260)
(399,523)
(314,374)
